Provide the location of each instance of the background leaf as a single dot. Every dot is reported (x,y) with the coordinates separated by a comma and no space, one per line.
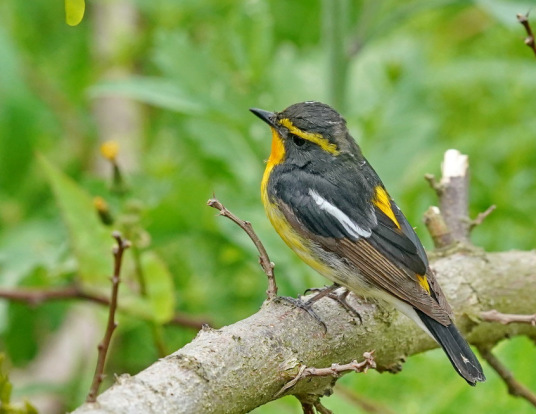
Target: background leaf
(173,80)
(74,11)
(90,240)
(160,290)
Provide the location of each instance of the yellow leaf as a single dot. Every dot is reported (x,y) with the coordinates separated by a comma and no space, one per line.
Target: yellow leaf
(74,11)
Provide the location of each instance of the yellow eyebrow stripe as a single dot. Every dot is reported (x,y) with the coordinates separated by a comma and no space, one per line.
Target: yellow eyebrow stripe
(317,139)
(383,202)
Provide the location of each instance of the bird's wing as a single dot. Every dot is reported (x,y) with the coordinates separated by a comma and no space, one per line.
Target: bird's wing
(366,228)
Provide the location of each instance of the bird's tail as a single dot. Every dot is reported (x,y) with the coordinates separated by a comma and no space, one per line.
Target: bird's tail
(456,347)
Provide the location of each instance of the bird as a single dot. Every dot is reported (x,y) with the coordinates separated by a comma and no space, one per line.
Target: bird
(331,208)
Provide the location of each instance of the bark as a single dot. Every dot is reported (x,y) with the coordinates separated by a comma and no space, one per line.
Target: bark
(242,366)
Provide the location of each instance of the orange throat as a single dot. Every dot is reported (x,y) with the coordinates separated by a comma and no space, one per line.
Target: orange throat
(276,157)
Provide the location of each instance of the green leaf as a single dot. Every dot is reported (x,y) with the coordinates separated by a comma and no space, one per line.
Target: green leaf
(5,385)
(74,11)
(154,91)
(159,284)
(90,240)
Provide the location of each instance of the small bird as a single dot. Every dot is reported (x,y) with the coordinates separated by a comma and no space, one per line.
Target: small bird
(328,204)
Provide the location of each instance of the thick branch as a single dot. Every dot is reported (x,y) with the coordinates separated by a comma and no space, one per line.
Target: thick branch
(244,365)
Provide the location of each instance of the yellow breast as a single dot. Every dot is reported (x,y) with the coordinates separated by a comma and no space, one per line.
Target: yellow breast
(302,247)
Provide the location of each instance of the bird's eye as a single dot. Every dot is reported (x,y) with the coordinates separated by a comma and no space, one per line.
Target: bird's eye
(297,140)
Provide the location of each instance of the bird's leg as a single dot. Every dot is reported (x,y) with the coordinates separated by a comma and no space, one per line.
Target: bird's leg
(306,306)
(331,292)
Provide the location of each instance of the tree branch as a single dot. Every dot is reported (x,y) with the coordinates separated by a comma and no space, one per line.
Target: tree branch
(477,221)
(335,370)
(36,296)
(529,40)
(264,260)
(436,226)
(122,245)
(244,365)
(505,319)
(453,193)
(515,388)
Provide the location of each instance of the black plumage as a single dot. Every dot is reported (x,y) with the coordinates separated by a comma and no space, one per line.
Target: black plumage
(334,200)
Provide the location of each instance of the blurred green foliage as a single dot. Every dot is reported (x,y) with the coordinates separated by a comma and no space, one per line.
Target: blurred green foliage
(412,79)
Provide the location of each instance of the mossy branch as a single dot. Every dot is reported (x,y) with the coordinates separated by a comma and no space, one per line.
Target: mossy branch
(242,366)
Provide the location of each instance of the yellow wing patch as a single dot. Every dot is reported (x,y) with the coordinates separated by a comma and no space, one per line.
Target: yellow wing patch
(317,139)
(423,281)
(383,202)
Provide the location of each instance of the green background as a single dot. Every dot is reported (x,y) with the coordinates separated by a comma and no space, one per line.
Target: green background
(413,79)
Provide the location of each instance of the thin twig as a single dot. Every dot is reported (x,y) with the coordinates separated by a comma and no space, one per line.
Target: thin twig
(366,405)
(505,318)
(264,260)
(35,297)
(335,370)
(122,245)
(515,388)
(529,40)
(321,409)
(431,179)
(481,217)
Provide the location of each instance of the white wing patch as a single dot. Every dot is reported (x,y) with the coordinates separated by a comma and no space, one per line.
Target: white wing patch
(351,227)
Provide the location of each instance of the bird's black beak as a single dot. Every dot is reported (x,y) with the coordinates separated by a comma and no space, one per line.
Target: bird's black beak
(266,116)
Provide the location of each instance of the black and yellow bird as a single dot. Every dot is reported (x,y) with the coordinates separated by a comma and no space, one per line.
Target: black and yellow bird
(329,205)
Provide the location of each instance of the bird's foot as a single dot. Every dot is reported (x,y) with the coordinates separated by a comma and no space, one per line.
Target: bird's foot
(307,306)
(339,294)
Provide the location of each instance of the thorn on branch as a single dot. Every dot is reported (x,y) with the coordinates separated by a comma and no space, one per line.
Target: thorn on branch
(515,388)
(264,260)
(335,371)
(434,185)
(481,217)
(505,318)
(529,40)
(122,245)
